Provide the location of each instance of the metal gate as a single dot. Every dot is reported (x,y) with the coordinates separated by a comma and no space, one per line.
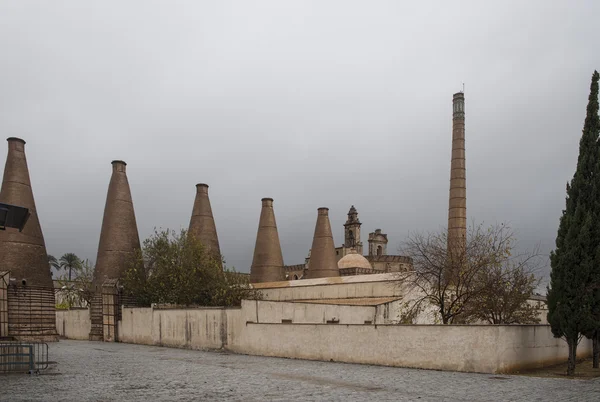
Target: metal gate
(31,313)
(111,310)
(96,317)
(29,357)
(4,277)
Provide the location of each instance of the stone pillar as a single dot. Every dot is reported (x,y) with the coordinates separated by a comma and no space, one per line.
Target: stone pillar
(267,264)
(322,262)
(119,239)
(22,253)
(457,211)
(202,224)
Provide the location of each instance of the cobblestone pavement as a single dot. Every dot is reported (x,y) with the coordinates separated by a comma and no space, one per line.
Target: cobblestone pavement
(96,371)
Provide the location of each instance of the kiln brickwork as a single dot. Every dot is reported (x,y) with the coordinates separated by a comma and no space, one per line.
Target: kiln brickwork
(119,234)
(28,298)
(22,253)
(323,263)
(202,223)
(267,263)
(119,239)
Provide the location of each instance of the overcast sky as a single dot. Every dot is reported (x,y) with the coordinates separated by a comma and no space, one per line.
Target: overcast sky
(313,103)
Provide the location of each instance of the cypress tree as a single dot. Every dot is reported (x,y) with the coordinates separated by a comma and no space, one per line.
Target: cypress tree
(593,124)
(573,261)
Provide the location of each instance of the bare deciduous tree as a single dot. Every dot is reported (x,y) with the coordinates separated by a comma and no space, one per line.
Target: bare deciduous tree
(505,294)
(478,281)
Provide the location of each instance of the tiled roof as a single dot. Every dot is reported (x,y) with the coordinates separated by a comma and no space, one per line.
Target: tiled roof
(296,267)
(389,258)
(336,280)
(362,301)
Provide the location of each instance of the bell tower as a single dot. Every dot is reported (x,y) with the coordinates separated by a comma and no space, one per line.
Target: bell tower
(352,232)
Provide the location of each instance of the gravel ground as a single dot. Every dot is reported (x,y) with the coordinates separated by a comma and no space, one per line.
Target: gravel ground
(96,371)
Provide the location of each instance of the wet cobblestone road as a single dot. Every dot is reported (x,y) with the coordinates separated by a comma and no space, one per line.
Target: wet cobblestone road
(96,371)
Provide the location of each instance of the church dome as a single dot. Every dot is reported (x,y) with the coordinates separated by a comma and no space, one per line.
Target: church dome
(353,260)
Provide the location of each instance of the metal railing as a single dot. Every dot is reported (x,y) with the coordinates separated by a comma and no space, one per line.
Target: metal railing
(23,357)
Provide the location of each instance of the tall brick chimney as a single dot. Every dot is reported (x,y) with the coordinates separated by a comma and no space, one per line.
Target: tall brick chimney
(267,264)
(119,236)
(202,223)
(322,263)
(22,253)
(457,211)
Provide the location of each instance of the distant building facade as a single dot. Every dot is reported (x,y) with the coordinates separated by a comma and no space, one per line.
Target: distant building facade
(350,258)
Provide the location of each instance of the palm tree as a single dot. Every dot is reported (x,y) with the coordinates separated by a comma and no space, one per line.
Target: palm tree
(53,262)
(71,262)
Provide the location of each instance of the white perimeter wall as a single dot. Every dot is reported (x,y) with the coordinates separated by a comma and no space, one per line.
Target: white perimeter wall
(73,324)
(256,329)
(202,328)
(485,348)
(210,328)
